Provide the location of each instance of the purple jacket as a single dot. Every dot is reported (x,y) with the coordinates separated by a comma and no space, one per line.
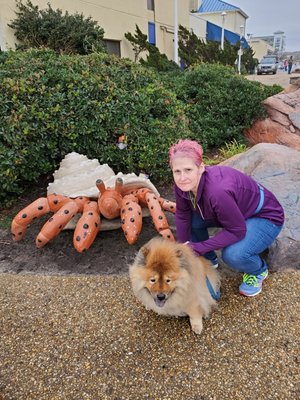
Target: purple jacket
(226,198)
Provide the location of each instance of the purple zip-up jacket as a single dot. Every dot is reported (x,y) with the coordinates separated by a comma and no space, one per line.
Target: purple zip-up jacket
(226,198)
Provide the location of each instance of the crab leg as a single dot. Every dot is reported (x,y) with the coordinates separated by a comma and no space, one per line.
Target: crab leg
(167,205)
(87,227)
(159,219)
(59,220)
(35,210)
(131,218)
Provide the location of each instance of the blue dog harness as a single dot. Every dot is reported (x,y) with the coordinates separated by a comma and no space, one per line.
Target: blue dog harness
(215,295)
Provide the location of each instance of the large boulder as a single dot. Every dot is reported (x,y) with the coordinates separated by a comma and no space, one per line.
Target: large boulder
(277,168)
(283,123)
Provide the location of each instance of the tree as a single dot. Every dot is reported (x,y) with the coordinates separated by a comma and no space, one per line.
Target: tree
(248,60)
(189,46)
(138,41)
(193,50)
(64,33)
(154,59)
(158,61)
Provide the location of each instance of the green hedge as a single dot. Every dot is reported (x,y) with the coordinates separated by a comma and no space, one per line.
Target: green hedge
(51,105)
(220,104)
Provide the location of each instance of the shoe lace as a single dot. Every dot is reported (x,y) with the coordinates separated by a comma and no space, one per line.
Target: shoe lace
(250,279)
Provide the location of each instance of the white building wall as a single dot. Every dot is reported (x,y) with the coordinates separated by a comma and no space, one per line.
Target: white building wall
(198,25)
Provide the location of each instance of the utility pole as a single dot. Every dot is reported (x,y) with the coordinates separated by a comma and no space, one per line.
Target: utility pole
(240,49)
(176,31)
(223,23)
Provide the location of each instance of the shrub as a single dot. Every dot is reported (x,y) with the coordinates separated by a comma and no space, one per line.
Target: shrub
(221,104)
(50,28)
(51,105)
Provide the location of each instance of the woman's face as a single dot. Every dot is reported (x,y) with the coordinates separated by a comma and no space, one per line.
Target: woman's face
(186,173)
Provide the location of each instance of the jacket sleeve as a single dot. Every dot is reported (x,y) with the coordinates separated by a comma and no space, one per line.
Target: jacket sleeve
(230,218)
(183,218)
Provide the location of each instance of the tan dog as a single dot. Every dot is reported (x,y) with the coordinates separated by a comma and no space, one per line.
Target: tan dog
(168,278)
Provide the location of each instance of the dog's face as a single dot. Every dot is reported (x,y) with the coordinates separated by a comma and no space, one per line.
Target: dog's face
(160,271)
(161,281)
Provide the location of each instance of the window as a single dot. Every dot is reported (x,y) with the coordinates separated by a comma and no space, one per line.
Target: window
(150,5)
(113,47)
(151,33)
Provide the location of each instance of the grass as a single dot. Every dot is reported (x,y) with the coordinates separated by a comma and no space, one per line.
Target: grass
(227,151)
(5,222)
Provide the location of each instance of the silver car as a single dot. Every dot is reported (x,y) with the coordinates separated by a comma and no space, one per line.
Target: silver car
(267,66)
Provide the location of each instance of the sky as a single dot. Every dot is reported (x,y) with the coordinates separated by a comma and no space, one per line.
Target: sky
(268,16)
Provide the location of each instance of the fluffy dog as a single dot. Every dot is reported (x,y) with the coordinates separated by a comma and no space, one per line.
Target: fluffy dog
(168,278)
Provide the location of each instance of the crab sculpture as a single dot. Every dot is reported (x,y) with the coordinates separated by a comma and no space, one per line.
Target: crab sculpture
(113,202)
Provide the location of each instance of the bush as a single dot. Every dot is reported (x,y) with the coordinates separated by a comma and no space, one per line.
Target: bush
(51,105)
(221,104)
(50,28)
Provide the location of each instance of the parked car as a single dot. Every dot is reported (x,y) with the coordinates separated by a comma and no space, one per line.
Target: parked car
(267,65)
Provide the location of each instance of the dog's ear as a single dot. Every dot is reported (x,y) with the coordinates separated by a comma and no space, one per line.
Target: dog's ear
(141,256)
(179,253)
(145,250)
(183,259)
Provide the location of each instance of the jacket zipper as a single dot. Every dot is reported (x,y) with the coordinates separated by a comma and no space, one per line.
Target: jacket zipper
(200,211)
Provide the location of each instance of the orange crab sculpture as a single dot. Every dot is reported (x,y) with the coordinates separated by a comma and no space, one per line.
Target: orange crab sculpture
(117,202)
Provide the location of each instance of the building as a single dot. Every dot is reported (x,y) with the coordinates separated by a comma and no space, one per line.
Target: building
(217,15)
(260,47)
(263,45)
(116,17)
(277,40)
(154,17)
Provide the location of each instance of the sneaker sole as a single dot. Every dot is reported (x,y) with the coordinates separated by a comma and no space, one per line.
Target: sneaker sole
(250,295)
(255,294)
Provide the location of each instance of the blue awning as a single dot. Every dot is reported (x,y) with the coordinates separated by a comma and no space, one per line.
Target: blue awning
(214,32)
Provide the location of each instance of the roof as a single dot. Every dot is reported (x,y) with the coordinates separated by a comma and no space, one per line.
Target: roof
(211,6)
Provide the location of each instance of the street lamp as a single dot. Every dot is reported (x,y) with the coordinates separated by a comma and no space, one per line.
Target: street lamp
(240,49)
(222,35)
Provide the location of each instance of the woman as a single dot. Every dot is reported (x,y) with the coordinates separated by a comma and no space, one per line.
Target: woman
(290,64)
(218,196)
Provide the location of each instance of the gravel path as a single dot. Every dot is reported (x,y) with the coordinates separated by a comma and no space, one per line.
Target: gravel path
(86,337)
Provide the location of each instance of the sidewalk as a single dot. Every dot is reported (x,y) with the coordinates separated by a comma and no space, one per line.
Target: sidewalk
(282,78)
(80,337)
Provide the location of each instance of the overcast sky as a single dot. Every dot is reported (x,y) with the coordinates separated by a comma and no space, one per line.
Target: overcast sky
(268,16)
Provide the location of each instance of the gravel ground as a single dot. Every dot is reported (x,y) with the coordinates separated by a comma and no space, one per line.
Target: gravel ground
(86,337)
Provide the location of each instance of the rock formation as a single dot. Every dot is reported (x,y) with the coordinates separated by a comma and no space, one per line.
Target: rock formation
(277,168)
(283,123)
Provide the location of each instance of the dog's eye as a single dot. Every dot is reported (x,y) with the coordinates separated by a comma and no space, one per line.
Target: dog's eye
(168,280)
(152,280)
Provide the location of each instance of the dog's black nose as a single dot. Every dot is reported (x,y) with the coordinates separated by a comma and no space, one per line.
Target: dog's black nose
(161,296)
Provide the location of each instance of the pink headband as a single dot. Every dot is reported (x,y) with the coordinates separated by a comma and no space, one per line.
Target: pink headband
(186,148)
